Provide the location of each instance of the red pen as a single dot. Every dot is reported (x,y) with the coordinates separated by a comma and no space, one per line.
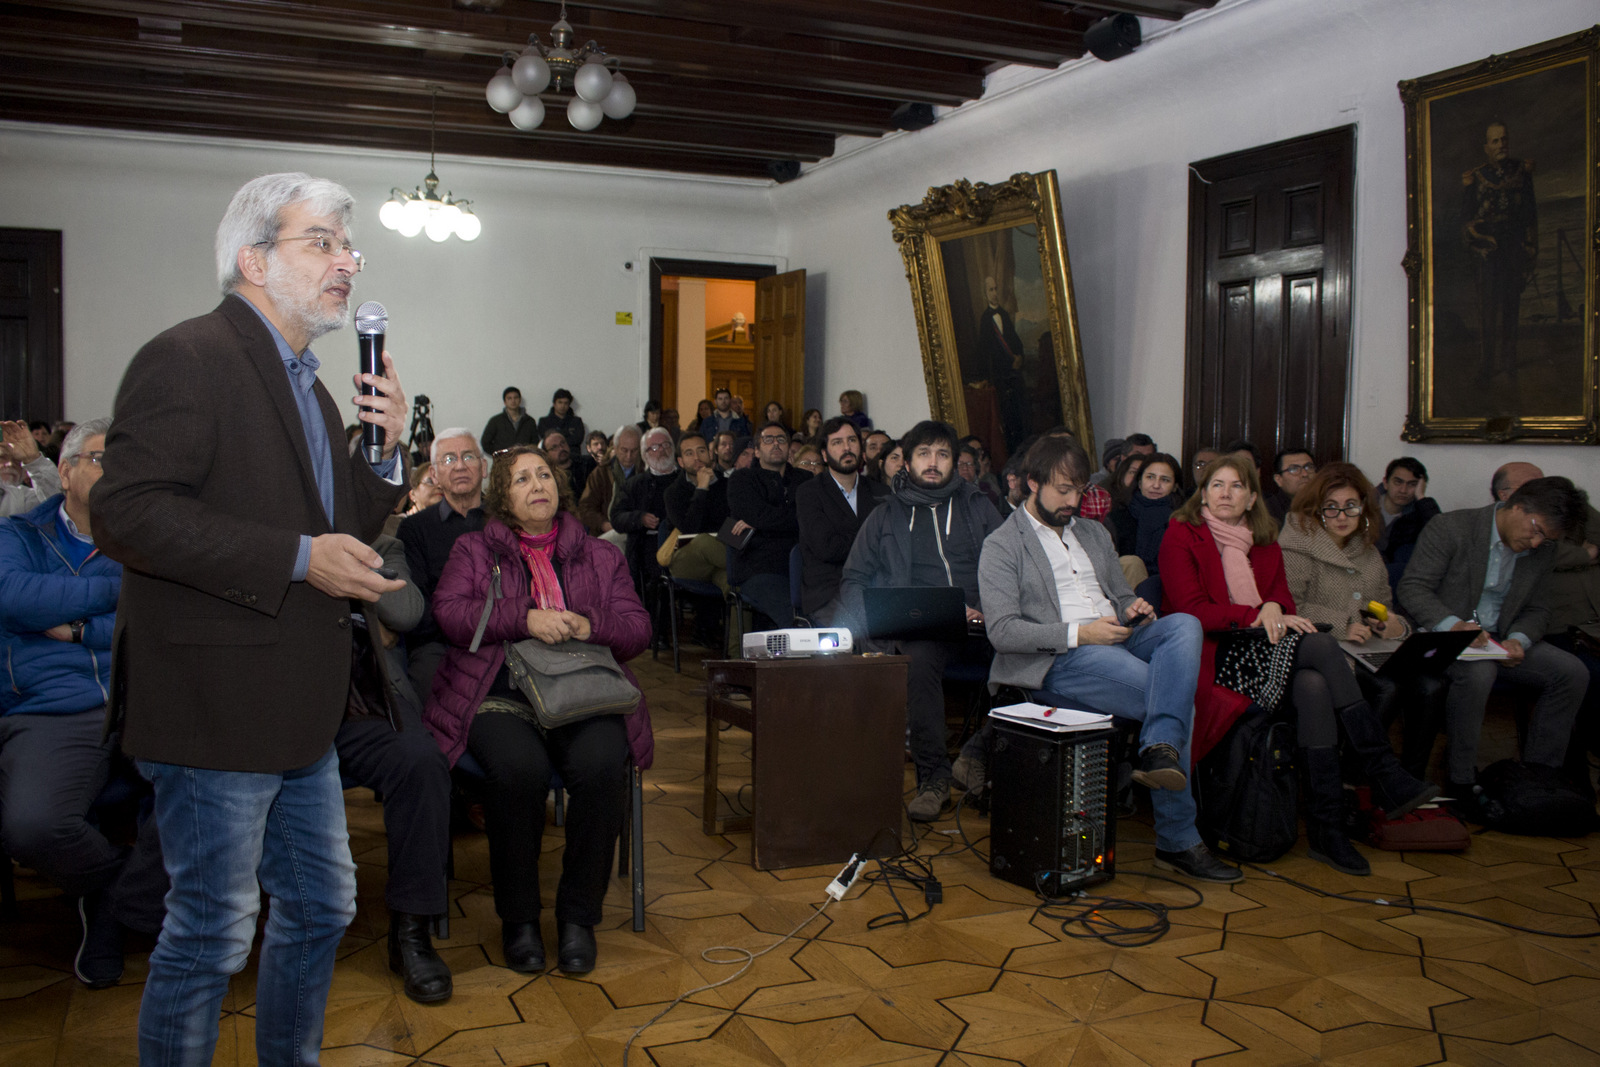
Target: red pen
(1049,712)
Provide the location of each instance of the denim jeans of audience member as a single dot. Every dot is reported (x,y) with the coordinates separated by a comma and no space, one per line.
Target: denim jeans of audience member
(221,831)
(1149,677)
(1560,679)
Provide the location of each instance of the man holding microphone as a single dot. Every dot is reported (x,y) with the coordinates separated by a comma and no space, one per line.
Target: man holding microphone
(242,526)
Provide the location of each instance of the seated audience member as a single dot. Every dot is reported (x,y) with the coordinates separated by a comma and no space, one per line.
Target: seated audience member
(596,446)
(1334,570)
(554,445)
(1096,501)
(852,406)
(723,453)
(891,461)
(1197,463)
(604,487)
(808,460)
(1292,469)
(811,424)
(697,503)
(745,453)
(1399,514)
(871,444)
(58,604)
(1110,456)
(723,418)
(1015,479)
(761,497)
(652,416)
(774,413)
(1140,522)
(641,507)
(928,533)
(562,417)
(397,759)
(968,464)
(1489,569)
(430,534)
(557,584)
(701,414)
(509,426)
(669,419)
(1509,477)
(1064,624)
(40,431)
(1141,444)
(1124,481)
(1221,563)
(425,491)
(831,508)
(19,457)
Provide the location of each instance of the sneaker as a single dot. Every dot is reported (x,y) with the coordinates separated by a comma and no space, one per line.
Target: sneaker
(1198,863)
(931,800)
(98,963)
(969,773)
(1159,769)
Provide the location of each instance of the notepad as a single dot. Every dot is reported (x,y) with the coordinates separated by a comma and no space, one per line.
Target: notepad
(1055,719)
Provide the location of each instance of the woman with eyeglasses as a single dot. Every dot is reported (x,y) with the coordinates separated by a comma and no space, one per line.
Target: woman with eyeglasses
(1221,562)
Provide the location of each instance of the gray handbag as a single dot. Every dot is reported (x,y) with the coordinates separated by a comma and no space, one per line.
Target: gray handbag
(564,683)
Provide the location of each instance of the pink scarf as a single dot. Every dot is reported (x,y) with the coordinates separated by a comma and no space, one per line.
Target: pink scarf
(1235,543)
(543,586)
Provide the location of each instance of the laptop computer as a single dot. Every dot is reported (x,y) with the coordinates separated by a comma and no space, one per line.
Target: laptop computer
(922,613)
(1424,652)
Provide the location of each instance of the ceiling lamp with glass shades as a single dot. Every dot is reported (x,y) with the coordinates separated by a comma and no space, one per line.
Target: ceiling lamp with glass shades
(599,91)
(425,211)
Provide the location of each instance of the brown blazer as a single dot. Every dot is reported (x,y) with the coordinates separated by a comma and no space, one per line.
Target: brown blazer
(218,659)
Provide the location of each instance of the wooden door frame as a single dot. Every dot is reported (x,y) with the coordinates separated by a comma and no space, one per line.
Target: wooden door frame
(50,363)
(692,268)
(1339,254)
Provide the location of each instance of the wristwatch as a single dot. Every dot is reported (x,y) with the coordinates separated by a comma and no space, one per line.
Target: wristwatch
(76,626)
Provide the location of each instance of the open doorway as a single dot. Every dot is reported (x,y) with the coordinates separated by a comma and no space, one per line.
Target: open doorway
(738,326)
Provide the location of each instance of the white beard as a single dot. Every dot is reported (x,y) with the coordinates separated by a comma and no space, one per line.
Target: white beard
(287,293)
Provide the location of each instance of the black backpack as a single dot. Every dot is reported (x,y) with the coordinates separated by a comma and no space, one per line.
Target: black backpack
(1538,801)
(1245,790)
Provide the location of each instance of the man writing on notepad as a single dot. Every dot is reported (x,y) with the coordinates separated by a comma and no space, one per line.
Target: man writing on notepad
(1067,628)
(1489,569)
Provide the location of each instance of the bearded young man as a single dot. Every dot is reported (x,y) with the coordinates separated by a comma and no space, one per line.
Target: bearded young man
(831,509)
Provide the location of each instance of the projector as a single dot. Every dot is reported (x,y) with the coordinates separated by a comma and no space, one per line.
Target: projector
(791,644)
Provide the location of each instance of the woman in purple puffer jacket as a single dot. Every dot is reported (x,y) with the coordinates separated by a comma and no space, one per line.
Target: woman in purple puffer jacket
(556,582)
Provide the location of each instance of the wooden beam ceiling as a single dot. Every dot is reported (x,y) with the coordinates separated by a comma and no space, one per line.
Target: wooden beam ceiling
(724,86)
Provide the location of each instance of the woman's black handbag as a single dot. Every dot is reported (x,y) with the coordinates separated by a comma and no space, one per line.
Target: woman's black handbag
(567,682)
(1245,790)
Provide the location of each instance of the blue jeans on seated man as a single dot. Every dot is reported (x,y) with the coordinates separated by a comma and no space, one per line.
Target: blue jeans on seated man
(1150,677)
(226,835)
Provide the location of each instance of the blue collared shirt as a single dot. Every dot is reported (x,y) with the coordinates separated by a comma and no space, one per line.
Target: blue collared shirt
(78,545)
(302,371)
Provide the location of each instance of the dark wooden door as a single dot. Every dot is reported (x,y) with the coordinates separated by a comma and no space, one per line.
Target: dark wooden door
(779,331)
(1269,296)
(30,324)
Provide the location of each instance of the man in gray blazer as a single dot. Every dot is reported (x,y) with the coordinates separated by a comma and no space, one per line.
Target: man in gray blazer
(1489,569)
(1063,622)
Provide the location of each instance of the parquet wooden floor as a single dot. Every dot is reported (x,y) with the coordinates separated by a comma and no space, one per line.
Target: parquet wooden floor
(1262,973)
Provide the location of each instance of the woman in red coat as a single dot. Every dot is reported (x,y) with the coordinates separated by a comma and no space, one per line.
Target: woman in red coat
(1221,563)
(556,583)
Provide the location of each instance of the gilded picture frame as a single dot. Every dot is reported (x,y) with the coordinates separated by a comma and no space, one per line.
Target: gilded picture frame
(1503,241)
(991,289)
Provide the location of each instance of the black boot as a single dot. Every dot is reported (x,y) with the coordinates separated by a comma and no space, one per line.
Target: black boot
(1393,789)
(524,946)
(411,956)
(1319,769)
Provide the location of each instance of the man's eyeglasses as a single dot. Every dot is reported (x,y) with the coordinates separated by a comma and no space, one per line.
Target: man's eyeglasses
(324,244)
(658,449)
(1331,510)
(811,464)
(450,459)
(92,457)
(1300,468)
(773,439)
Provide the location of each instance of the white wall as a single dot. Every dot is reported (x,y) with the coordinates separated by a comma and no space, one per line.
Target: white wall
(1119,136)
(531,303)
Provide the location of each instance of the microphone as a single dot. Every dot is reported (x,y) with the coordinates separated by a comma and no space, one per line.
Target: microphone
(372,322)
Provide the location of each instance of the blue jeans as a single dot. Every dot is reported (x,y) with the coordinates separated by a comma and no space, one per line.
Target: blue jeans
(225,836)
(1149,677)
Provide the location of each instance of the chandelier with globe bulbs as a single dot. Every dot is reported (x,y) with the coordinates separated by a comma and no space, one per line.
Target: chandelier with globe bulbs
(600,92)
(425,211)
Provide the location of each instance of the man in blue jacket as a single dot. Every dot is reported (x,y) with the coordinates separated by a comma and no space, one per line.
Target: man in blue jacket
(58,601)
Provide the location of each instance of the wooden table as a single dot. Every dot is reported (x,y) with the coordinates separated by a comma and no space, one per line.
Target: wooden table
(827,755)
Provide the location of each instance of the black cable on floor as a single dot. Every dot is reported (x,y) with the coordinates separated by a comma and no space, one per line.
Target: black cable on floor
(1101,919)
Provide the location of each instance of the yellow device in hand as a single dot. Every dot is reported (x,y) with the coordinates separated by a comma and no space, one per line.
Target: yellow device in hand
(1376,611)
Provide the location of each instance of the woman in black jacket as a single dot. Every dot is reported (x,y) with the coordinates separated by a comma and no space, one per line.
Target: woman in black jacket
(1140,519)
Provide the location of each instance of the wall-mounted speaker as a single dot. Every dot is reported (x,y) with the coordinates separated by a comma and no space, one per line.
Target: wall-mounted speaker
(783,170)
(1114,37)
